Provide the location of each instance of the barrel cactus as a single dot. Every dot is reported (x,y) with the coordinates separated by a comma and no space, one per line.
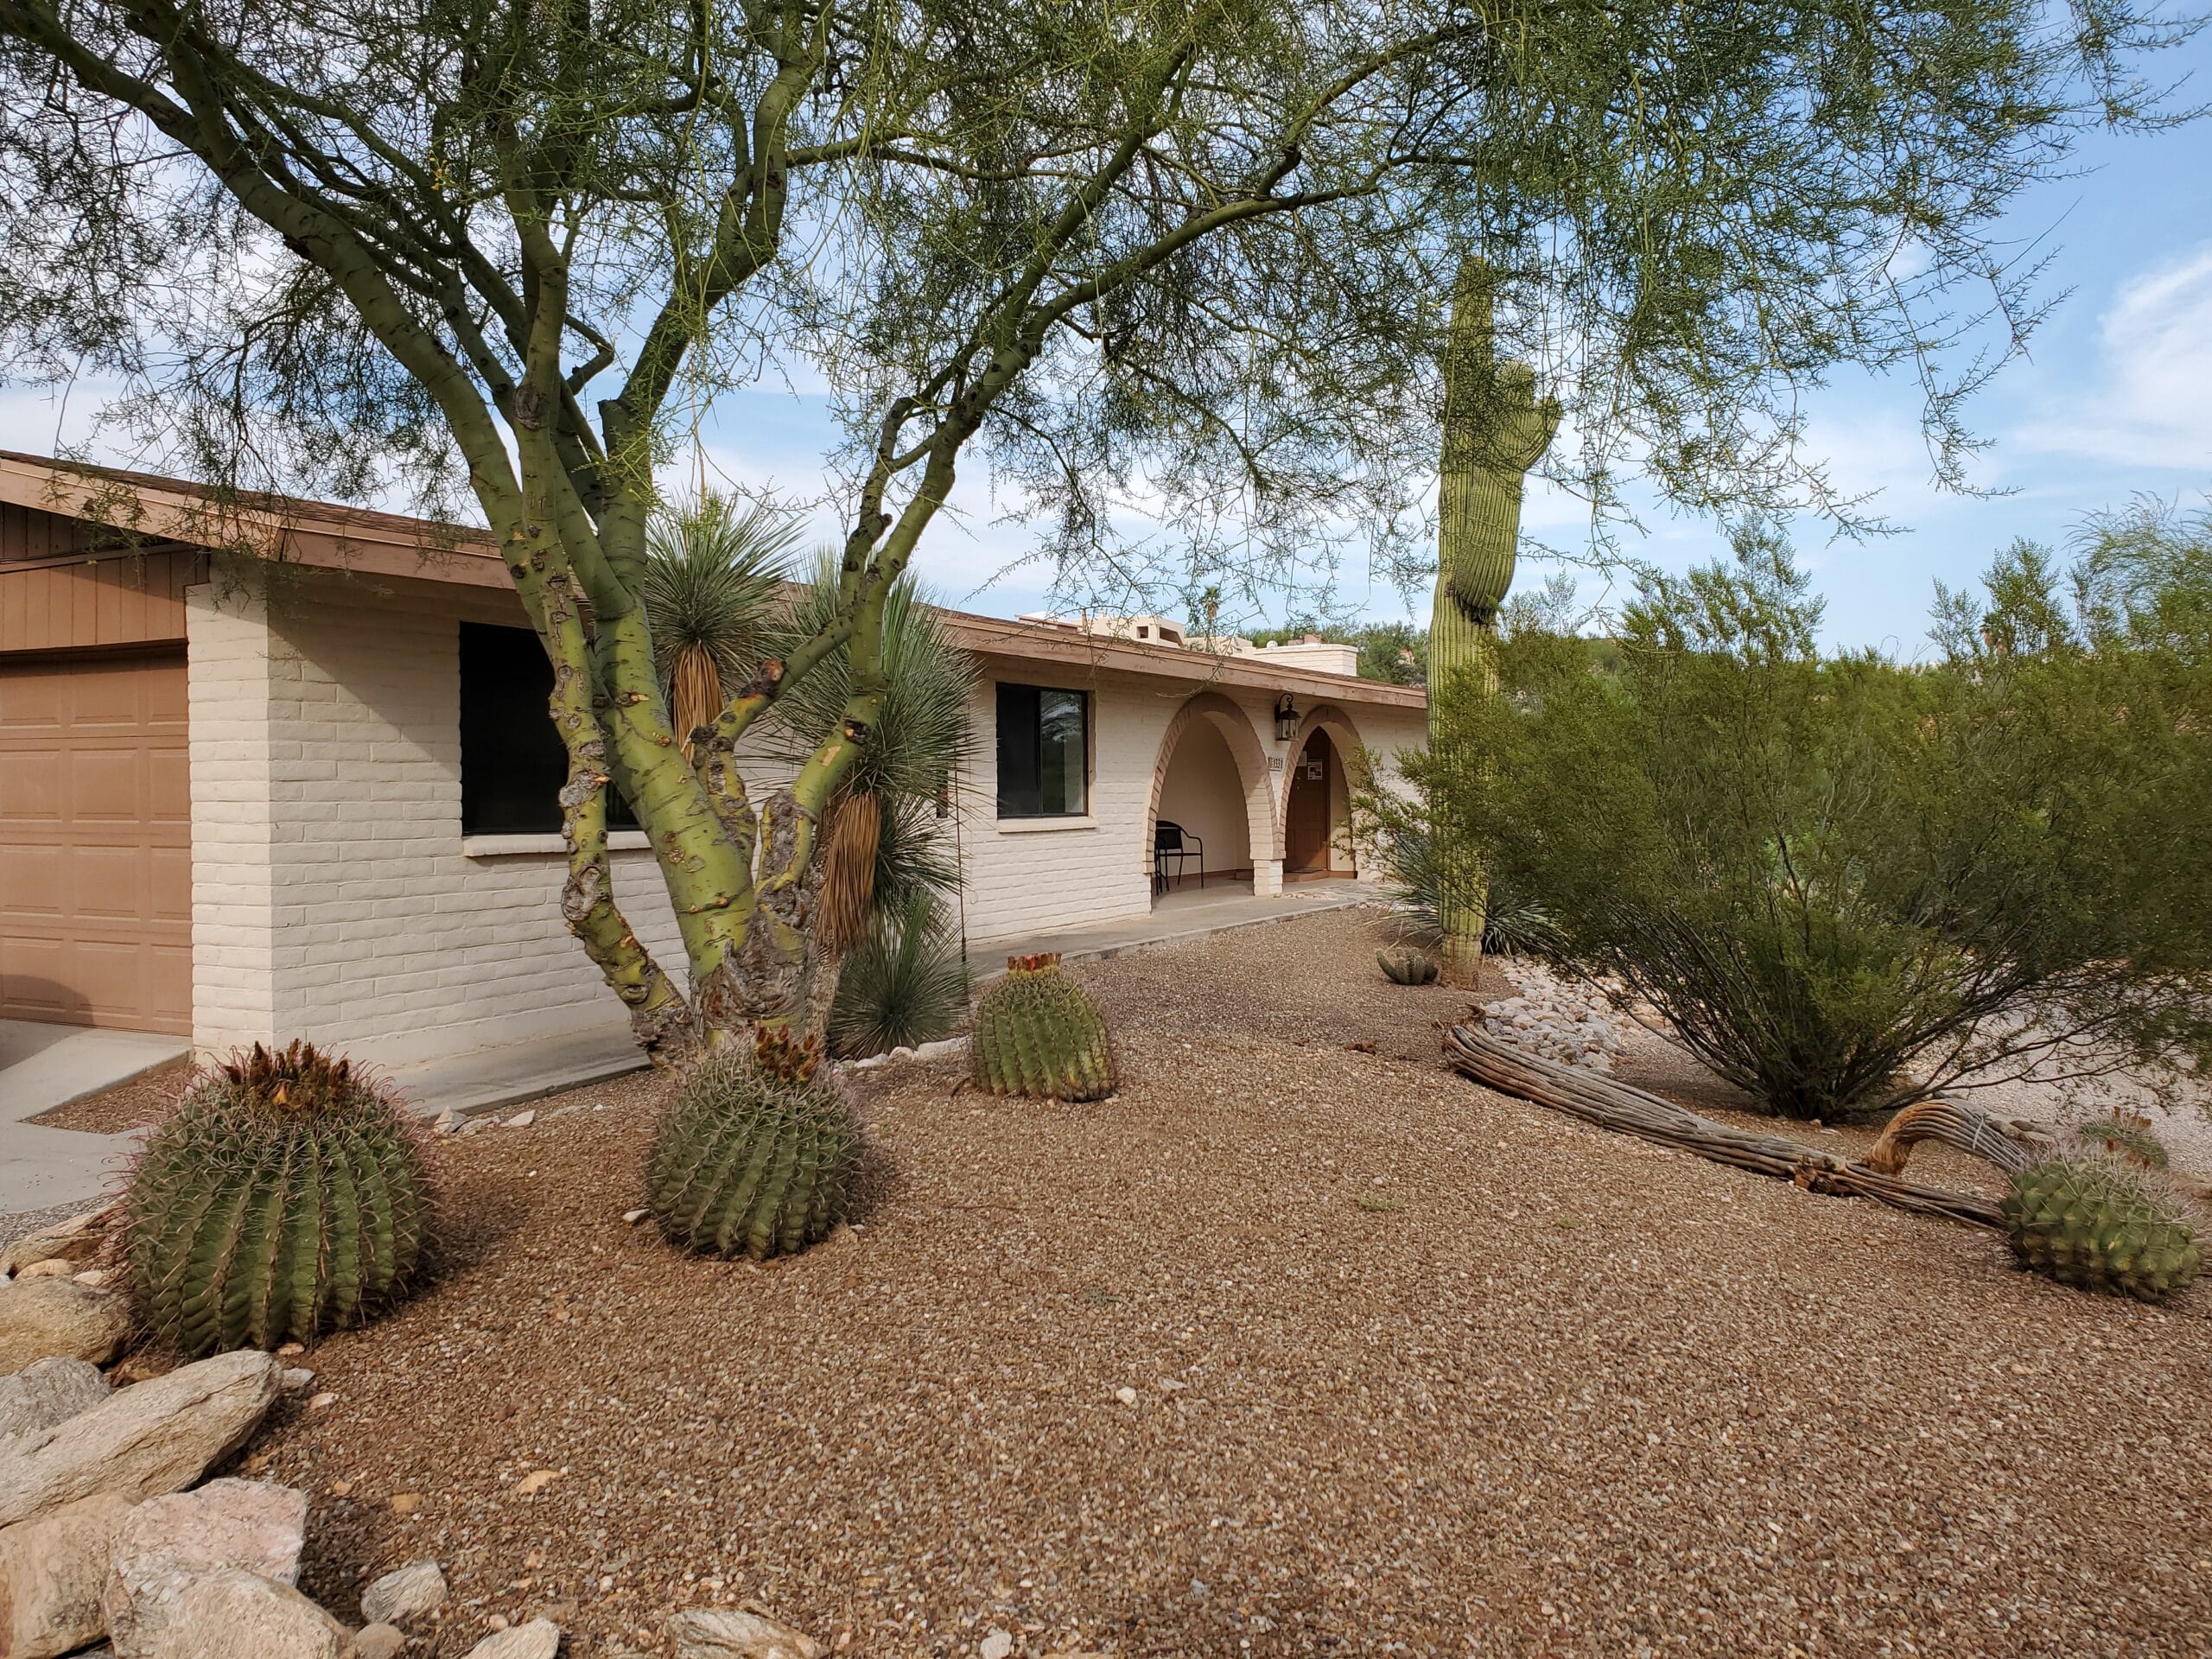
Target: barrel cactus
(2126,1135)
(1037,1033)
(1408,967)
(286,1196)
(757,1153)
(2087,1221)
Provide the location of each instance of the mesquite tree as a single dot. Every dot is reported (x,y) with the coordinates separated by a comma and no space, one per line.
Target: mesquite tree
(1176,256)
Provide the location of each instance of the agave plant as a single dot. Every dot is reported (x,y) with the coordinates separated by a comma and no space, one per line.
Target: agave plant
(713,573)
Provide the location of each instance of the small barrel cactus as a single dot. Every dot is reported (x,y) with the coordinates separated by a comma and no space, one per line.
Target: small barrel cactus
(1409,967)
(2125,1135)
(757,1153)
(1038,1033)
(2087,1221)
(286,1196)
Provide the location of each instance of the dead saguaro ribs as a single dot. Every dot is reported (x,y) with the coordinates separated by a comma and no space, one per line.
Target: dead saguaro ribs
(1616,1106)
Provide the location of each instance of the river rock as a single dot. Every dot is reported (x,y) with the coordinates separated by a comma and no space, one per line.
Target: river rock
(377,1642)
(539,1639)
(170,1543)
(229,1613)
(404,1592)
(53,1577)
(727,1633)
(48,1393)
(158,1437)
(80,1236)
(42,1318)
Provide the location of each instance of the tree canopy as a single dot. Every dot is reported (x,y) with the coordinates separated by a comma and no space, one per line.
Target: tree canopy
(1179,259)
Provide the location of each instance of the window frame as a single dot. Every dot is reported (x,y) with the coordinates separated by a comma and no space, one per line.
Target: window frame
(1060,815)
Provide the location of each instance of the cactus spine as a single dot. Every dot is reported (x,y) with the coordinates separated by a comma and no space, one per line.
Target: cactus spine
(1037,1033)
(1495,430)
(286,1196)
(757,1153)
(2088,1221)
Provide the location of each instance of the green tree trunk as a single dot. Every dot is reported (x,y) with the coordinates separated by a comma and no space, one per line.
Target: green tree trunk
(1494,431)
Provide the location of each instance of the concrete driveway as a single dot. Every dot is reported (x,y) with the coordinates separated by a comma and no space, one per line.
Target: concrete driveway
(42,1066)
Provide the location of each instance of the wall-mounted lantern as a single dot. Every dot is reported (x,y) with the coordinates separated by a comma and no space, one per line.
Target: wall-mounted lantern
(1286,718)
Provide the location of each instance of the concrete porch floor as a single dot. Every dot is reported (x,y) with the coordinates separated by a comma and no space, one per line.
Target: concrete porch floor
(1189,912)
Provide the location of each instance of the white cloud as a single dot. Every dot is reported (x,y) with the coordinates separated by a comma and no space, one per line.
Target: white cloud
(2153,405)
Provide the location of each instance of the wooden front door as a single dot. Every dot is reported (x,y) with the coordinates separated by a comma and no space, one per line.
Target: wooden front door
(1306,822)
(96,842)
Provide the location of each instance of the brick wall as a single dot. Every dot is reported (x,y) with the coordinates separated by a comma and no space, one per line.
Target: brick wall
(333,897)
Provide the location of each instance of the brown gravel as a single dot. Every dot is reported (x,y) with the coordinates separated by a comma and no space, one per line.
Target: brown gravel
(146,1098)
(1414,1370)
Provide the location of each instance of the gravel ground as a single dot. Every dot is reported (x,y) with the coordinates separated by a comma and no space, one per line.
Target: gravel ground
(1292,1349)
(146,1098)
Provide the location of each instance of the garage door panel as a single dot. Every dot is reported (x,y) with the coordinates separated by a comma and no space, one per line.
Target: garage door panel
(95,841)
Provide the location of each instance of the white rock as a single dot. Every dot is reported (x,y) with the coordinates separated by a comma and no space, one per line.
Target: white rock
(53,1577)
(295,1379)
(404,1592)
(996,1645)
(727,1633)
(170,1544)
(54,1267)
(945,1045)
(539,1639)
(48,1393)
(229,1613)
(157,1436)
(42,1318)
(631,1218)
(522,1120)
(98,1278)
(446,1121)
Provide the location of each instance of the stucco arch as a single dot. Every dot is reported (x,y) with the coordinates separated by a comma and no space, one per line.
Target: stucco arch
(1235,724)
(1323,716)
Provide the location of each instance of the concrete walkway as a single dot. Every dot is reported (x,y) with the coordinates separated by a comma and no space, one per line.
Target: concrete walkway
(484,1079)
(1192,913)
(42,1066)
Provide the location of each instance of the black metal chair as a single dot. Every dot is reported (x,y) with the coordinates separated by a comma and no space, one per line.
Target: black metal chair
(1169,840)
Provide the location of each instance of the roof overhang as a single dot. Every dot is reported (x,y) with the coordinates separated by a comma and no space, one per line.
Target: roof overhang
(145,509)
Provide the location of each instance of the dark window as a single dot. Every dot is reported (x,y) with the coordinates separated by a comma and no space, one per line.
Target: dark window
(512,760)
(1043,752)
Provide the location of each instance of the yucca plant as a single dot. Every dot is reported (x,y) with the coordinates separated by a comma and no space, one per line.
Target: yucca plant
(286,1196)
(714,573)
(904,984)
(912,756)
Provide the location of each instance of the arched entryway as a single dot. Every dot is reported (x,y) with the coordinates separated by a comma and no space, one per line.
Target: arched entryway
(1316,808)
(1211,782)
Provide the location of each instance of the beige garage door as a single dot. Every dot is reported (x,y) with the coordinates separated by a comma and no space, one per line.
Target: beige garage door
(96,842)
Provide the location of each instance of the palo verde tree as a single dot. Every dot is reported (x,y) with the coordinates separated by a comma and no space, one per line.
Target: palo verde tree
(1172,253)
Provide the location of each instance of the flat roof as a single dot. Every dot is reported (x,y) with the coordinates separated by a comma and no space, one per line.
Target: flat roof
(147,508)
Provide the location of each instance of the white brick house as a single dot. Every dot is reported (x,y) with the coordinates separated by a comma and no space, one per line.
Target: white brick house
(235,790)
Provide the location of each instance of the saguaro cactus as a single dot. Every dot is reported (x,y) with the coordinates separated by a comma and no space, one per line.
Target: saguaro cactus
(1495,430)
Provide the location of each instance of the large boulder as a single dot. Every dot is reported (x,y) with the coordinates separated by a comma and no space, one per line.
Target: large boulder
(170,1544)
(230,1613)
(50,1392)
(53,1577)
(405,1593)
(158,1437)
(727,1633)
(41,1317)
(539,1639)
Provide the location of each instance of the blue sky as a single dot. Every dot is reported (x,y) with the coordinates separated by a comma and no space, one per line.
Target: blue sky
(2116,398)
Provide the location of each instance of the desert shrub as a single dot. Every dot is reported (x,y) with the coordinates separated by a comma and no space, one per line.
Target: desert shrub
(904,984)
(1846,883)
